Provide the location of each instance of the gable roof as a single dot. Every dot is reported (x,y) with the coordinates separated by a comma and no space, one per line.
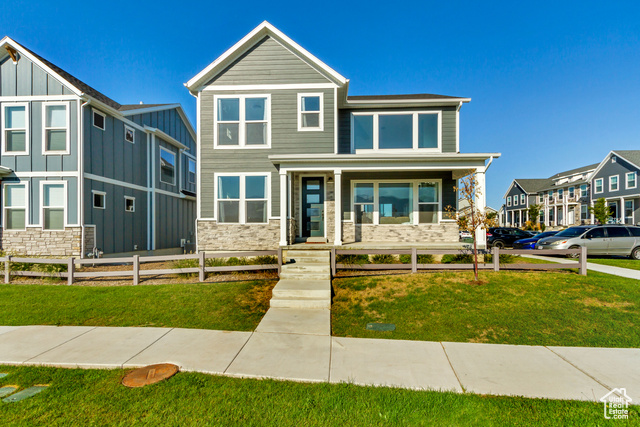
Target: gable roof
(248,41)
(575,171)
(533,185)
(129,107)
(632,156)
(416,96)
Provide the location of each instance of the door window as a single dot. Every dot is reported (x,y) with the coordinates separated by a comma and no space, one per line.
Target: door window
(596,233)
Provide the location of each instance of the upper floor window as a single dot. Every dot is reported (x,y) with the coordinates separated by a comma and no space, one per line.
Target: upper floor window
(99,199)
(129,134)
(167,166)
(242,198)
(613,183)
(242,121)
(540,197)
(572,191)
(191,171)
(583,190)
(56,128)
(53,206)
(15,206)
(396,131)
(99,119)
(598,186)
(560,193)
(310,116)
(631,181)
(129,204)
(15,128)
(550,193)
(509,201)
(523,199)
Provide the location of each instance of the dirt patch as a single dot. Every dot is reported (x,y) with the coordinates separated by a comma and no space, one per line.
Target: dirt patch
(595,302)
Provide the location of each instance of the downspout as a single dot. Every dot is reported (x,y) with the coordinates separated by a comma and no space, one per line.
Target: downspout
(488,164)
(83,249)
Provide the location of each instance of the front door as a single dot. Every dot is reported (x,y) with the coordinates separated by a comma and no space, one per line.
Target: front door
(613,208)
(312,207)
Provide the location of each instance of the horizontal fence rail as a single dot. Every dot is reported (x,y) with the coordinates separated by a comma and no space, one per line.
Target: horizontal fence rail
(135,261)
(495,265)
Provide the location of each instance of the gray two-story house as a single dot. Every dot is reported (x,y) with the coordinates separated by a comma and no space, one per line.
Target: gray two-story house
(285,155)
(616,180)
(81,172)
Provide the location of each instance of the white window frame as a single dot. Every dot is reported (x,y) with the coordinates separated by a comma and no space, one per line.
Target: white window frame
(596,183)
(93,121)
(626,180)
(242,201)
(540,197)
(617,177)
(523,199)
(415,183)
(509,201)
(27,120)
(195,174)
(93,200)
(133,199)
(126,129)
(64,206)
(242,122)
(67,128)
(24,184)
(319,128)
(572,192)
(175,166)
(415,132)
(584,190)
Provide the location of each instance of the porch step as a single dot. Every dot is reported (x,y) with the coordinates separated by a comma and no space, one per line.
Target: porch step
(306,268)
(302,276)
(308,254)
(300,302)
(302,288)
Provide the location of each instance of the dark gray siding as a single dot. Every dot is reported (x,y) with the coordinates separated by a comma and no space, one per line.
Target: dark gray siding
(285,139)
(268,62)
(175,220)
(515,191)
(184,176)
(169,122)
(178,171)
(621,167)
(448,126)
(27,79)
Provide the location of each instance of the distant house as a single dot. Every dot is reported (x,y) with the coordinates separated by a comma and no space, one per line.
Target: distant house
(287,156)
(616,180)
(80,171)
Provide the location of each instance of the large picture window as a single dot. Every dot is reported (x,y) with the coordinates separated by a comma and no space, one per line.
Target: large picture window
(242,121)
(167,166)
(56,128)
(15,206)
(242,199)
(53,206)
(396,131)
(15,128)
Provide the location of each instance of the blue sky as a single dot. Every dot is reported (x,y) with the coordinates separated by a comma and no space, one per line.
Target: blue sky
(554,85)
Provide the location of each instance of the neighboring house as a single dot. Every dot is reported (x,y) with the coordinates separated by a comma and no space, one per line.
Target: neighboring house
(80,171)
(464,210)
(285,155)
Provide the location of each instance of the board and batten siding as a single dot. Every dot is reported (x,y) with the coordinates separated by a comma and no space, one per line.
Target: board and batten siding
(448,125)
(27,79)
(169,122)
(285,139)
(268,62)
(175,220)
(620,168)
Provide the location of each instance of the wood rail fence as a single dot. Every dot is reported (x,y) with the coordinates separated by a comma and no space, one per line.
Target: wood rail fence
(495,265)
(136,273)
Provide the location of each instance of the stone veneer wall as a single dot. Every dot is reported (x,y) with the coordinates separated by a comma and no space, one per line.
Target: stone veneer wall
(446,232)
(89,238)
(37,242)
(218,237)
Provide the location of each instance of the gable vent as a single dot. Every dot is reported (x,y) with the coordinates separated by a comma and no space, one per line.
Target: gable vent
(614,159)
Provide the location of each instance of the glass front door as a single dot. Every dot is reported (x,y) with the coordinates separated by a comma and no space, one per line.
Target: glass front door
(313,207)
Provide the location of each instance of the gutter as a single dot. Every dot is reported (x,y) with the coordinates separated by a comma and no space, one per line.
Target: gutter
(81,175)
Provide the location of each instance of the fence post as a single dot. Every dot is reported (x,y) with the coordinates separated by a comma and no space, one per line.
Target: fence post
(202,276)
(333,262)
(583,260)
(7,270)
(414,260)
(136,269)
(71,266)
(496,258)
(279,260)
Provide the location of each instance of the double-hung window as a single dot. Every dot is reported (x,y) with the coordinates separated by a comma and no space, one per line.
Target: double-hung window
(242,199)
(56,128)
(540,197)
(584,212)
(509,201)
(363,202)
(428,202)
(613,183)
(631,180)
(167,166)
(560,193)
(598,186)
(572,191)
(15,128)
(242,121)
(583,190)
(310,117)
(396,131)
(53,206)
(191,171)
(523,199)
(15,206)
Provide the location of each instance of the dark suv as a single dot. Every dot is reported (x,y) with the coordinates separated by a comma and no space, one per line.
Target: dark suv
(501,237)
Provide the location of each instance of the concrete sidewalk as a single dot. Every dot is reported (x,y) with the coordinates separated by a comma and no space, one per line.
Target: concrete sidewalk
(616,271)
(531,371)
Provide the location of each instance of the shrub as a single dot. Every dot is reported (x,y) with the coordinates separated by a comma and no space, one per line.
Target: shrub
(186,263)
(237,261)
(383,259)
(422,259)
(457,259)
(264,260)
(352,259)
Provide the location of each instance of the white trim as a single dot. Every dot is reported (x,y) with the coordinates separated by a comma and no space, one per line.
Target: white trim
(131,129)
(284,86)
(198,161)
(320,113)
(523,199)
(324,186)
(114,182)
(152,196)
(335,120)
(55,174)
(175,168)
(67,150)
(189,161)
(242,192)
(125,203)
(166,137)
(242,122)
(626,180)
(104,199)
(412,101)
(617,177)
(177,195)
(595,186)
(458,127)
(64,205)
(508,201)
(93,119)
(178,108)
(27,133)
(415,131)
(39,98)
(27,216)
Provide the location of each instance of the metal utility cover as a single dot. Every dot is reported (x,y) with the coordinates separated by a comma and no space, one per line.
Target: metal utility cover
(381,327)
(7,390)
(149,375)
(21,395)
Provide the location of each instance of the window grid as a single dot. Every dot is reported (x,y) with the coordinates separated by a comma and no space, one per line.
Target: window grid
(613,183)
(242,123)
(631,180)
(15,208)
(303,112)
(11,130)
(49,130)
(242,201)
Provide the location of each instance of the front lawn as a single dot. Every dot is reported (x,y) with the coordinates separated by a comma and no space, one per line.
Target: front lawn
(237,306)
(534,308)
(95,397)
(633,264)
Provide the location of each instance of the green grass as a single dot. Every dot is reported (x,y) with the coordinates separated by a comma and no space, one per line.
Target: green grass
(535,308)
(235,306)
(95,397)
(633,264)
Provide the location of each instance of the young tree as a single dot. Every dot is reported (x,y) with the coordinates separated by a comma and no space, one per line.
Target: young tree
(534,215)
(601,211)
(477,220)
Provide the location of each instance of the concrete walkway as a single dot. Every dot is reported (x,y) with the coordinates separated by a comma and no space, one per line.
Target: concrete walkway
(616,271)
(315,356)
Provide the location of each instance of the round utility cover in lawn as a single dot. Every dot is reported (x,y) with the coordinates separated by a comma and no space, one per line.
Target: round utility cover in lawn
(149,375)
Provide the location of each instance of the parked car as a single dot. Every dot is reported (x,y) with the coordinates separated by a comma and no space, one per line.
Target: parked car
(599,240)
(464,234)
(530,243)
(502,237)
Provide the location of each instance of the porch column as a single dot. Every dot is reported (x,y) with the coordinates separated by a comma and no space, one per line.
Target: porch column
(481,202)
(565,214)
(283,207)
(337,195)
(593,219)
(622,218)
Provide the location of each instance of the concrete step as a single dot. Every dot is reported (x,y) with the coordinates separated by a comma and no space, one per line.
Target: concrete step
(308,254)
(299,260)
(300,302)
(305,275)
(306,268)
(302,288)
